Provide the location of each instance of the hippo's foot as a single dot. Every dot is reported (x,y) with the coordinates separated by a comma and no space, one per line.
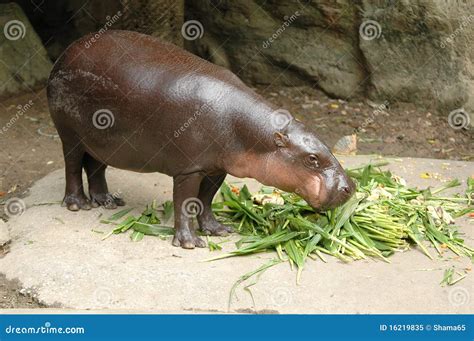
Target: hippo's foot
(107,200)
(214,228)
(76,202)
(187,240)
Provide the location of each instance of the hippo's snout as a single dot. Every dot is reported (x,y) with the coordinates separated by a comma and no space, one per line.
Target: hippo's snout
(343,190)
(346,187)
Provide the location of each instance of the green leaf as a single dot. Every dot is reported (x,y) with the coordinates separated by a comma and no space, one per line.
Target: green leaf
(136,236)
(168,210)
(153,230)
(117,215)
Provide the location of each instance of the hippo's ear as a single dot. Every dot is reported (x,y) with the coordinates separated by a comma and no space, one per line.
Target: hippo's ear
(281,140)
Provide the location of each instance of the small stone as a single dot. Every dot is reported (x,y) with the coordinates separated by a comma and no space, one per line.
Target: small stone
(452,139)
(347,145)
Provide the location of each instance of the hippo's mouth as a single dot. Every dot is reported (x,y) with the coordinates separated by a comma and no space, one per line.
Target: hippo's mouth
(313,192)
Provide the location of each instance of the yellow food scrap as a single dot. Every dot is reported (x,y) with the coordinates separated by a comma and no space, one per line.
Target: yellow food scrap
(425,175)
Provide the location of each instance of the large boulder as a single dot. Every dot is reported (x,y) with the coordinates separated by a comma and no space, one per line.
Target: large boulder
(24,63)
(417,51)
(424,53)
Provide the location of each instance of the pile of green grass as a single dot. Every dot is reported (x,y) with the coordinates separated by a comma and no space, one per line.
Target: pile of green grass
(384,216)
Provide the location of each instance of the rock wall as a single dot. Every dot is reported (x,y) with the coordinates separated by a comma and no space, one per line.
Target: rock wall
(24,63)
(418,51)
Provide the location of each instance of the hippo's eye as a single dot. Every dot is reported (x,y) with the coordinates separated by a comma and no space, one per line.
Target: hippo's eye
(313,160)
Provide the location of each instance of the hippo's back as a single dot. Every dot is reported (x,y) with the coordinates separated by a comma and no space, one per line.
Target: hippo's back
(127,85)
(125,64)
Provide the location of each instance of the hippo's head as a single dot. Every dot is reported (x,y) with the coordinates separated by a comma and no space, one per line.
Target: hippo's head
(299,162)
(303,164)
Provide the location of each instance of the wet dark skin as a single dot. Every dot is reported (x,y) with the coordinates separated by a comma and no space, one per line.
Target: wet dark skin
(134,102)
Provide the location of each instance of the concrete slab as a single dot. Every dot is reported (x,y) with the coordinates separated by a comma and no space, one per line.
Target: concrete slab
(60,256)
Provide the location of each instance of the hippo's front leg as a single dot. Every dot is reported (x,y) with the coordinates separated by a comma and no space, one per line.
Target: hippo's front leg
(186,207)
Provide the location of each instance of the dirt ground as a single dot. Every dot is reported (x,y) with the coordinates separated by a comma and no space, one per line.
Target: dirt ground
(31,149)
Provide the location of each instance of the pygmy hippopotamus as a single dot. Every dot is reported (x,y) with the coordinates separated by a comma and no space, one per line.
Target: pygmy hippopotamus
(138,103)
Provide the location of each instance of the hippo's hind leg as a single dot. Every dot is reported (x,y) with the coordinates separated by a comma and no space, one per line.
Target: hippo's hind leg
(98,190)
(74,198)
(186,207)
(207,222)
